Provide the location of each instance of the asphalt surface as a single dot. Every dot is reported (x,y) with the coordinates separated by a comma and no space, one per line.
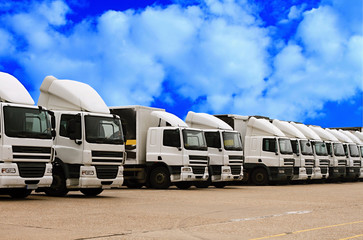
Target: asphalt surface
(309,211)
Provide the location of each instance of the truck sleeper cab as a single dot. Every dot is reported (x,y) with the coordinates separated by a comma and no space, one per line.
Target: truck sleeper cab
(26,141)
(89,146)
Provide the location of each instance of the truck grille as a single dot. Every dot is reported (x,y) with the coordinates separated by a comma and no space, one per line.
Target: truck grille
(198,160)
(324,170)
(309,162)
(342,162)
(106,171)
(24,153)
(289,162)
(198,169)
(309,170)
(31,170)
(235,159)
(356,163)
(235,169)
(324,162)
(107,157)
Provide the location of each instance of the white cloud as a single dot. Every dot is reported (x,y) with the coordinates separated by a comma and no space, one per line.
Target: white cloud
(217,51)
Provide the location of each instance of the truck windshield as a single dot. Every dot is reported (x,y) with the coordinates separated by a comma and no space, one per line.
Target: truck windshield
(22,122)
(320,149)
(339,149)
(353,149)
(285,146)
(194,140)
(103,130)
(232,141)
(306,148)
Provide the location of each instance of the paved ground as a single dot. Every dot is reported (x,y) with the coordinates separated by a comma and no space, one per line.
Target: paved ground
(315,211)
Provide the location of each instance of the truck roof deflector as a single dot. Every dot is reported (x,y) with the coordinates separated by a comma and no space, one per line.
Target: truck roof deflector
(170,118)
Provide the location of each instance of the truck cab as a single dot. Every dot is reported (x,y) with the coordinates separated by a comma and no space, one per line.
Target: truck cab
(89,143)
(224,149)
(359,144)
(162,150)
(337,160)
(301,147)
(321,161)
(26,140)
(351,153)
(268,152)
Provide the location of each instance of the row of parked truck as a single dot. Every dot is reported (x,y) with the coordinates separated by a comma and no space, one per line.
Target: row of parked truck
(73,141)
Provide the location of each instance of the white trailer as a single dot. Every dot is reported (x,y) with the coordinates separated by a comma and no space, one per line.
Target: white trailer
(161,149)
(225,149)
(303,152)
(26,140)
(337,159)
(89,143)
(321,163)
(359,143)
(268,152)
(351,152)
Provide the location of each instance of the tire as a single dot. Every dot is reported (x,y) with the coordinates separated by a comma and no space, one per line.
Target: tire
(259,177)
(183,185)
(20,193)
(219,184)
(132,184)
(91,192)
(58,187)
(160,178)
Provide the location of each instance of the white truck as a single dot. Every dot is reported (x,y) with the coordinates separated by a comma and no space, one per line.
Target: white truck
(359,144)
(26,140)
(351,153)
(321,163)
(268,152)
(337,159)
(89,144)
(224,149)
(161,149)
(303,152)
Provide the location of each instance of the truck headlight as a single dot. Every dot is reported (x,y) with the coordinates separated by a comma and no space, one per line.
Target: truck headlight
(186,169)
(8,170)
(226,170)
(49,170)
(281,171)
(88,172)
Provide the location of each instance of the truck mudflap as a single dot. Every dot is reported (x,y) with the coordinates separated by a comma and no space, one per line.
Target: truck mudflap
(280,173)
(299,174)
(337,172)
(11,177)
(99,176)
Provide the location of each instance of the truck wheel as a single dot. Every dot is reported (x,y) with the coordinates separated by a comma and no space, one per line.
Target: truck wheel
(219,184)
(160,178)
(183,185)
(58,187)
(91,192)
(20,193)
(259,177)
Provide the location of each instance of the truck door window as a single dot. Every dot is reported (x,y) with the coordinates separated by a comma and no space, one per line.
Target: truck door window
(269,145)
(171,138)
(70,124)
(213,139)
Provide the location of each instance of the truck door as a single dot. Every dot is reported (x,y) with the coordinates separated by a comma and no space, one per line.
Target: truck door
(171,151)
(215,150)
(69,145)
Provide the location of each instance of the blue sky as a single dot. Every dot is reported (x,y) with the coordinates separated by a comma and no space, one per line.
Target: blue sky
(292,60)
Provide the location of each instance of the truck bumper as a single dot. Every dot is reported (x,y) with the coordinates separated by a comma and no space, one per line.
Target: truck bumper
(188,174)
(281,173)
(89,179)
(9,177)
(361,173)
(228,174)
(353,172)
(337,172)
(316,173)
(299,174)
